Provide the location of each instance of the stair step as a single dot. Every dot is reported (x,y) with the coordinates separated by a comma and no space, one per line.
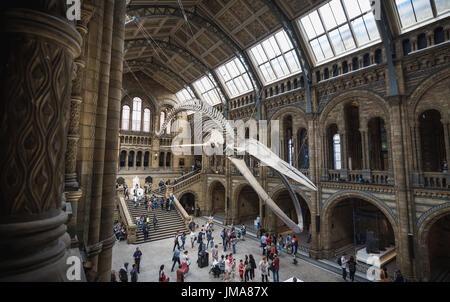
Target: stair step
(169,222)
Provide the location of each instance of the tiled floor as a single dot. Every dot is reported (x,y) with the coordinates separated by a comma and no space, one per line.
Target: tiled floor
(160,252)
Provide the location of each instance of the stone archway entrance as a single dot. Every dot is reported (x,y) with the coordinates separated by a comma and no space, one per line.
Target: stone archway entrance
(217,198)
(358,228)
(187,200)
(247,205)
(286,204)
(438,245)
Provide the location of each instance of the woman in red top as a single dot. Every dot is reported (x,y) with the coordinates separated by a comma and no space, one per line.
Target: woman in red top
(241,270)
(276,267)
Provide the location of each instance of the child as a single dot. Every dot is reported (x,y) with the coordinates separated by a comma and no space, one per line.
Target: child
(241,270)
(211,244)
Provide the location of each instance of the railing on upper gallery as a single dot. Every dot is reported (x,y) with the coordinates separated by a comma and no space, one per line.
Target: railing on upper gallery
(436,180)
(186,181)
(359,176)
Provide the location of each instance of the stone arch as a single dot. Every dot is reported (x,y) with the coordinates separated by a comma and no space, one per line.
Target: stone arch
(355,95)
(235,204)
(333,201)
(210,192)
(424,224)
(278,189)
(298,116)
(180,195)
(417,96)
(305,207)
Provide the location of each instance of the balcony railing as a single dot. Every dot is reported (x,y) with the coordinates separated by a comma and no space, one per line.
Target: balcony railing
(436,180)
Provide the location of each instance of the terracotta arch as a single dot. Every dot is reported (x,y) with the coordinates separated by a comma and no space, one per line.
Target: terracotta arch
(334,199)
(235,205)
(420,91)
(277,190)
(354,95)
(210,191)
(297,114)
(424,224)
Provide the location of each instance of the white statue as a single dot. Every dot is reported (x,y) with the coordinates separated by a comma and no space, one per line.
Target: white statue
(136,189)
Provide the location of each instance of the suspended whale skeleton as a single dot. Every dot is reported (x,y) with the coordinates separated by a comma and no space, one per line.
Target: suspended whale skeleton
(254,148)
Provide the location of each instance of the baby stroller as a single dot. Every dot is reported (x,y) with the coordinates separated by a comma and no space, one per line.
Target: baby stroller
(215,269)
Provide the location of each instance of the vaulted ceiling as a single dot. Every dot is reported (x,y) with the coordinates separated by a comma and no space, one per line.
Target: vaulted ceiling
(160,43)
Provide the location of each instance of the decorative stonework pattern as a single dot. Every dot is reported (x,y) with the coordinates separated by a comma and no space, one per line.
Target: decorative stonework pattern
(431,212)
(33,125)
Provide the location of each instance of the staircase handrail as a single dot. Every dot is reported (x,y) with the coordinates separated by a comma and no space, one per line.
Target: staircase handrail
(130,225)
(182,211)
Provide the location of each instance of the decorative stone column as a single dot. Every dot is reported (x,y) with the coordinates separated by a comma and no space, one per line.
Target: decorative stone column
(72,188)
(38,63)
(404,210)
(94,245)
(111,147)
(446,126)
(365,154)
(314,170)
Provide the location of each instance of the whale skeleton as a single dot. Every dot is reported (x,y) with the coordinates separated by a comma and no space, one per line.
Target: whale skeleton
(253,147)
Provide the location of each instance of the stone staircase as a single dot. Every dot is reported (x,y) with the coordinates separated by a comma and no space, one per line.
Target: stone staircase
(169,222)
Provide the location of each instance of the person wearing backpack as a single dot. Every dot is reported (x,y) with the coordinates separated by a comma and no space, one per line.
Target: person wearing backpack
(352,268)
(123,273)
(176,243)
(252,266)
(134,274)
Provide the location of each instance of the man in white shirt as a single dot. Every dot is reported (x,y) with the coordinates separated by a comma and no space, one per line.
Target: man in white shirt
(344,267)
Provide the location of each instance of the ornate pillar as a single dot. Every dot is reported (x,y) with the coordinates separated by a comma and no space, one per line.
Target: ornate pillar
(365,154)
(314,168)
(446,126)
(107,237)
(72,188)
(404,209)
(94,244)
(40,46)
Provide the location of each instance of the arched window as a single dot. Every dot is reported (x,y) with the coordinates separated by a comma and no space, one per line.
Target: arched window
(169,128)
(125,117)
(131,159)
(432,141)
(146,120)
(137,112)
(162,119)
(337,152)
(139,159)
(334,148)
(289,140)
(303,156)
(378,147)
(146,159)
(123,158)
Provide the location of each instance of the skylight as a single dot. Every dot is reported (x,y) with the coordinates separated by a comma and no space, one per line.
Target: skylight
(275,57)
(412,12)
(185,95)
(208,90)
(235,78)
(338,27)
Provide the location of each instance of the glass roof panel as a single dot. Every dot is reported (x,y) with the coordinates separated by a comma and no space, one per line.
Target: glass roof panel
(280,59)
(339,26)
(412,12)
(442,6)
